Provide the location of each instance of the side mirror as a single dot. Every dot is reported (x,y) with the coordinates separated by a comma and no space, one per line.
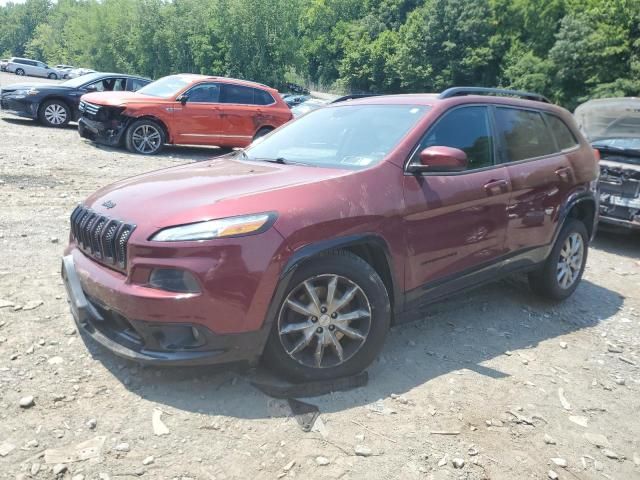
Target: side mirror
(182,99)
(91,88)
(441,159)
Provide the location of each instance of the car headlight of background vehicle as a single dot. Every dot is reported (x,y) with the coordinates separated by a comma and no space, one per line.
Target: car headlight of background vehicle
(221,228)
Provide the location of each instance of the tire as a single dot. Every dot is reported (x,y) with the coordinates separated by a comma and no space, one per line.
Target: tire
(143,129)
(53,76)
(549,281)
(20,72)
(54,113)
(359,325)
(262,132)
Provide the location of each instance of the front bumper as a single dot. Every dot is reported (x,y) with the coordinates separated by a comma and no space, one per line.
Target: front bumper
(158,343)
(101,132)
(19,107)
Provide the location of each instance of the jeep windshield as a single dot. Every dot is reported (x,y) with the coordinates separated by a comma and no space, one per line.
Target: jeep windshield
(346,136)
(166,87)
(612,126)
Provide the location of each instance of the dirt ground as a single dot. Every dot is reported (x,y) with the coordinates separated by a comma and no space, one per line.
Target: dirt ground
(492,384)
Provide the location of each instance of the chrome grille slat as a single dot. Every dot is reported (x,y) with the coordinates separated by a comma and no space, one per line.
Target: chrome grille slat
(101,237)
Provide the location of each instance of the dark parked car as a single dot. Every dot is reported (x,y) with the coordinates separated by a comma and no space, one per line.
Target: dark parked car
(309,244)
(293,100)
(613,127)
(56,104)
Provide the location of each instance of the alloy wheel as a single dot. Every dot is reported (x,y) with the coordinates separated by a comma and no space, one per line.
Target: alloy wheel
(570,261)
(146,139)
(55,114)
(324,321)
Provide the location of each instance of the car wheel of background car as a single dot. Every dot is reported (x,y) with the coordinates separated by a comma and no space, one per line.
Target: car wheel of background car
(262,132)
(332,321)
(54,113)
(19,71)
(53,76)
(145,137)
(560,275)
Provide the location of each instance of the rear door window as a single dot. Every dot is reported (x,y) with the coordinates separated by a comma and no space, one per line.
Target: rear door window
(135,84)
(204,93)
(563,135)
(237,94)
(467,129)
(523,133)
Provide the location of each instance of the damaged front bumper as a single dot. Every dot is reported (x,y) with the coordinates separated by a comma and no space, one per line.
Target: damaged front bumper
(100,124)
(620,197)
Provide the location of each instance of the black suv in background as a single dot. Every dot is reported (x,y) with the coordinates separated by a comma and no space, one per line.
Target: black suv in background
(55,105)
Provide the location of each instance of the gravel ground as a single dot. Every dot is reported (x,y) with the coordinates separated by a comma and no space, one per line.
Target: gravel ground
(492,384)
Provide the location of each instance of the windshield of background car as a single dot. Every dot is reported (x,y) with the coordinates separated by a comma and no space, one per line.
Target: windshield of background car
(79,81)
(349,136)
(166,87)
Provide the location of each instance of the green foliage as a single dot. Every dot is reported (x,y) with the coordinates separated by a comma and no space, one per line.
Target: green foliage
(569,50)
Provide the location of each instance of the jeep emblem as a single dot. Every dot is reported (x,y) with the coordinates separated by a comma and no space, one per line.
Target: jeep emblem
(108,204)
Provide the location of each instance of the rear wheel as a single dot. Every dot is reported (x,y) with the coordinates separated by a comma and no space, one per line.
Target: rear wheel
(560,275)
(145,137)
(262,132)
(54,113)
(332,321)
(19,71)
(53,76)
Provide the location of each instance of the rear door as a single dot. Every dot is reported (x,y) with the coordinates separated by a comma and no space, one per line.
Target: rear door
(239,116)
(540,172)
(198,120)
(456,222)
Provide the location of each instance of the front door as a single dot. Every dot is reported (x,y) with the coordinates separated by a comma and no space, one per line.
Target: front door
(197,121)
(456,222)
(540,172)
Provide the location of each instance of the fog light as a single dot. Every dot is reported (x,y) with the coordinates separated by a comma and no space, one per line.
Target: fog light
(173,280)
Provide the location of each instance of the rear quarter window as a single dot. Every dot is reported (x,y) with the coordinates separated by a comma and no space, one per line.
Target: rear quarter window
(524,134)
(563,135)
(262,97)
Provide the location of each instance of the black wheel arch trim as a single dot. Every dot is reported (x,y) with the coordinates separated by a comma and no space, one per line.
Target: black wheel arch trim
(574,199)
(306,252)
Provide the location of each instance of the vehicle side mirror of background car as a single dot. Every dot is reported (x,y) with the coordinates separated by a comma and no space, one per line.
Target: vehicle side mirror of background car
(182,99)
(91,88)
(441,159)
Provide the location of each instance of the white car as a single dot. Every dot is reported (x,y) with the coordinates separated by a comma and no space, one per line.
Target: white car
(65,70)
(79,72)
(34,68)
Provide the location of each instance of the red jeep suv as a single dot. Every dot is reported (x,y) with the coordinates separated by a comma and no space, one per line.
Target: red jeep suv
(305,247)
(183,109)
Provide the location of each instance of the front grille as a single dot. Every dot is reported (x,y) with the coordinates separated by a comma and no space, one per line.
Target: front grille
(100,237)
(89,108)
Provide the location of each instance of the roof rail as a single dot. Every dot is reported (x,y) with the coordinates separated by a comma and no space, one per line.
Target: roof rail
(461,91)
(353,96)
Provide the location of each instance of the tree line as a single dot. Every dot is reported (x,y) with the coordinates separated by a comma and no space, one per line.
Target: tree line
(569,50)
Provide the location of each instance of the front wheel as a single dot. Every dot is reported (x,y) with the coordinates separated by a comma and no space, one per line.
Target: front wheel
(54,113)
(145,137)
(332,321)
(20,72)
(561,273)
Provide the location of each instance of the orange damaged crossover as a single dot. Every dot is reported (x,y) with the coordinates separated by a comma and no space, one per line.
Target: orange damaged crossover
(183,109)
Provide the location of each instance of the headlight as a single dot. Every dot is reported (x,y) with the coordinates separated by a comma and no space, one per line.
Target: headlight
(24,92)
(224,227)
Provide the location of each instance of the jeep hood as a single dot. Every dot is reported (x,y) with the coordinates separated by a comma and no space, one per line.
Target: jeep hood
(119,99)
(38,86)
(217,188)
(609,118)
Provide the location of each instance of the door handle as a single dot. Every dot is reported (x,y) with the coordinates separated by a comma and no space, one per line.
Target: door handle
(563,173)
(495,187)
